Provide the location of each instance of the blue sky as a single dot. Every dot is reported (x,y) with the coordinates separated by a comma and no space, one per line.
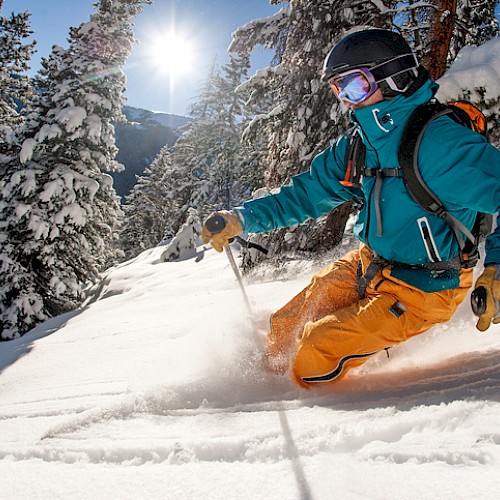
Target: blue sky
(205,25)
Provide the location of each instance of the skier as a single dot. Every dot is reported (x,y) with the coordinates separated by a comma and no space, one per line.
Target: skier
(410,271)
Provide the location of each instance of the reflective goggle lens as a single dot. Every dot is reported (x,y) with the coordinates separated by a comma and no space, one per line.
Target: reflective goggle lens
(354,86)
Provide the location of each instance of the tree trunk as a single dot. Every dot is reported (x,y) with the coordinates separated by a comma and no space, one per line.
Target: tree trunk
(442,23)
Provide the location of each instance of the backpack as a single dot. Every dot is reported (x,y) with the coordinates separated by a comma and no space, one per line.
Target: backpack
(461,112)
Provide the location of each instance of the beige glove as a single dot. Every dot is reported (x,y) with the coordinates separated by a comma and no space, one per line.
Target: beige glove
(490,280)
(230,228)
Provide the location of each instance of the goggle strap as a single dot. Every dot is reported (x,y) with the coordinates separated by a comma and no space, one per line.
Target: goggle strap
(394,67)
(393,85)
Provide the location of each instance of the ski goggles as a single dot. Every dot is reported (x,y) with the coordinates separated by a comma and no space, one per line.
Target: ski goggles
(353,86)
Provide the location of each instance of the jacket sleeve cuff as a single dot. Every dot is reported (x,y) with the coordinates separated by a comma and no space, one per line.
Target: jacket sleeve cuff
(241,217)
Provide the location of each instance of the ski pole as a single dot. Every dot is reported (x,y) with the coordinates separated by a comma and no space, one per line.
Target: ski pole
(215,225)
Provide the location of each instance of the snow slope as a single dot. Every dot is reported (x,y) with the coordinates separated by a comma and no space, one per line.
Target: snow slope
(156,391)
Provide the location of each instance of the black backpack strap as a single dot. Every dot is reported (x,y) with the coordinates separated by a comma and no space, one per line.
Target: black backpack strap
(408,160)
(408,156)
(378,263)
(460,116)
(354,158)
(382,172)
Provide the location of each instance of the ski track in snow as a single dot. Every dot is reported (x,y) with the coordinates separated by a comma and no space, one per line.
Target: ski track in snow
(460,386)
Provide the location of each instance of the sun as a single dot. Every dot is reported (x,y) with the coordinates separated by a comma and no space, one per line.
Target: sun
(172,53)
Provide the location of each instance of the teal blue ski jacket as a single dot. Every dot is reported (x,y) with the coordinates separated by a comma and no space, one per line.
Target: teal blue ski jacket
(457,164)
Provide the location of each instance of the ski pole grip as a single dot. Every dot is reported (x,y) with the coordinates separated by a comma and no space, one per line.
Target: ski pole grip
(478,300)
(215,224)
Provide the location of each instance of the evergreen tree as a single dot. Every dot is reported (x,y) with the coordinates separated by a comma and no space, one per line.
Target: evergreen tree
(217,129)
(15,88)
(438,30)
(58,209)
(146,221)
(248,170)
(159,202)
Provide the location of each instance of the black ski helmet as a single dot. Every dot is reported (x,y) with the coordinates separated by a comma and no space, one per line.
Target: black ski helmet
(385,53)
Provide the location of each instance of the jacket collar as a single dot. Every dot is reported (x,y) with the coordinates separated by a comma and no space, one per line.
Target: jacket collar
(379,121)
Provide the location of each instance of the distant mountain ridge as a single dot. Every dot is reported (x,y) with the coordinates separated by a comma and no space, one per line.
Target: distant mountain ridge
(147,117)
(139,140)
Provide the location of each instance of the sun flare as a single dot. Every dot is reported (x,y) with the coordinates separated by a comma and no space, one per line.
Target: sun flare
(172,53)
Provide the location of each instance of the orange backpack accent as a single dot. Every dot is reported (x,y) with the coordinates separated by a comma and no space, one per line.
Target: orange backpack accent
(469,112)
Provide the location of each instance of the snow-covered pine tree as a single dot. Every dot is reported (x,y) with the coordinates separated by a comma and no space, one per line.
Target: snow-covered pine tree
(148,206)
(438,29)
(159,202)
(15,87)
(58,210)
(476,23)
(217,126)
(302,115)
(181,177)
(247,167)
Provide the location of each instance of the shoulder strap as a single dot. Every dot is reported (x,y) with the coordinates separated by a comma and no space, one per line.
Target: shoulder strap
(408,160)
(354,158)
(408,155)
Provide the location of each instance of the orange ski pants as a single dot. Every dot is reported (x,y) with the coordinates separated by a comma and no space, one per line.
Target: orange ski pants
(328,329)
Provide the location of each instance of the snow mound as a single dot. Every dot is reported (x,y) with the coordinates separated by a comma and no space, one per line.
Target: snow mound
(474,68)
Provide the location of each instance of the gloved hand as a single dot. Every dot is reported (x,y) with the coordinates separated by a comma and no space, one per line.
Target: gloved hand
(220,239)
(490,280)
